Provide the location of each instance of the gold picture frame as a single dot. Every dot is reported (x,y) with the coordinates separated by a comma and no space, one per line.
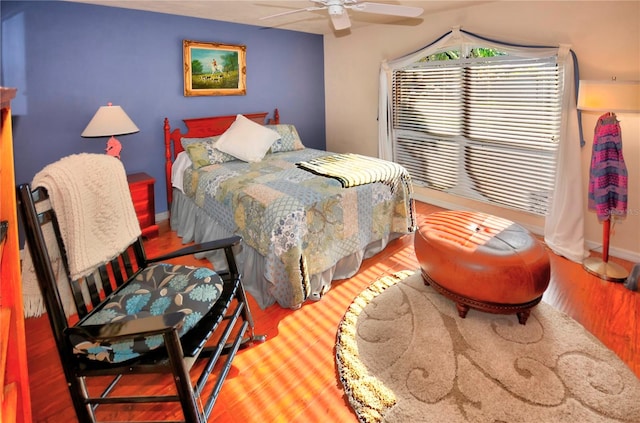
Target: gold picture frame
(214,69)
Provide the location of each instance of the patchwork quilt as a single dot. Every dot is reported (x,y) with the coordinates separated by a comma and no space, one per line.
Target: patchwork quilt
(301,222)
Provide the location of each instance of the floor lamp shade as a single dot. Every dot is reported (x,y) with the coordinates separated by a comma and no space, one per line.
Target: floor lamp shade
(608,173)
(109,121)
(609,96)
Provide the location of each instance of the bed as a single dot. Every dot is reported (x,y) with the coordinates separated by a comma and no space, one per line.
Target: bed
(307,217)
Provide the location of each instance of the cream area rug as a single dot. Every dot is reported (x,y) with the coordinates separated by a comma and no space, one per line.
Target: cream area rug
(404,355)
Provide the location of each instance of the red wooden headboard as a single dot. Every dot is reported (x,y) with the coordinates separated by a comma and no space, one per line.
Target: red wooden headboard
(201,128)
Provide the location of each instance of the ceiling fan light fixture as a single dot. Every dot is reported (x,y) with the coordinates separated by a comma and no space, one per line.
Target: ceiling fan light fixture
(335,9)
(340,18)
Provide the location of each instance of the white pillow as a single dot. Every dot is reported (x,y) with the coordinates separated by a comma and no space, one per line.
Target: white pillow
(247,140)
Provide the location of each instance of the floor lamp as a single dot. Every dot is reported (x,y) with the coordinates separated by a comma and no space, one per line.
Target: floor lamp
(611,199)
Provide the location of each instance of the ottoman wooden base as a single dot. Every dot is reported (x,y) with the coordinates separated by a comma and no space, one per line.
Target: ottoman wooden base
(483,262)
(463,304)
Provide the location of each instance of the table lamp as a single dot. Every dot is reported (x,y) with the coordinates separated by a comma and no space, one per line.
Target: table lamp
(608,173)
(109,121)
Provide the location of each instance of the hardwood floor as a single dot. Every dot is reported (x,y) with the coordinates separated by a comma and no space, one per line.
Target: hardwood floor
(292,376)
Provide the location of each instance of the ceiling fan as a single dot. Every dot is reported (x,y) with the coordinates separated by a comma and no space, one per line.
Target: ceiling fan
(340,18)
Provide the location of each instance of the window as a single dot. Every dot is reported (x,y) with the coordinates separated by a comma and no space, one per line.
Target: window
(483,124)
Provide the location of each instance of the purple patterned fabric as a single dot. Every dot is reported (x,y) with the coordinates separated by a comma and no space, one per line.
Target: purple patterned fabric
(608,173)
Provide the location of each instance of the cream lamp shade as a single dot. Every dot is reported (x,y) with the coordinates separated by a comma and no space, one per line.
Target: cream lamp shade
(108,121)
(609,96)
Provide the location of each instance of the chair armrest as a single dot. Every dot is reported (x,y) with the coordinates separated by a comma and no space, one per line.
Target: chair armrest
(115,331)
(199,248)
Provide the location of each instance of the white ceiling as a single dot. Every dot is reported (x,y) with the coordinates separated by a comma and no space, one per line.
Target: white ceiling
(250,11)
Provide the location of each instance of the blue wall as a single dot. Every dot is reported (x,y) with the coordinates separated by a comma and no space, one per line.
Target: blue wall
(78,57)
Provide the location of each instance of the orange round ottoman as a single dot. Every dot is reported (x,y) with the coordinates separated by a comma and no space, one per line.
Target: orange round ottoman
(483,262)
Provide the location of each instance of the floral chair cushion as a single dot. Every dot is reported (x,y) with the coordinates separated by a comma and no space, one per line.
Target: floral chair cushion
(159,289)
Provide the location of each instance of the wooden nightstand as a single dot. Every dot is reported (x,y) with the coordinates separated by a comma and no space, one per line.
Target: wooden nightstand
(141,186)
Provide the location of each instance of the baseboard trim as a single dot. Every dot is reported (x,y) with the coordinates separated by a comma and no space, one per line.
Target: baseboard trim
(538,230)
(596,246)
(590,245)
(162,216)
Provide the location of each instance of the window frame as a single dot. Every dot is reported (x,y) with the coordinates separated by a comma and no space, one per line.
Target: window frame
(533,199)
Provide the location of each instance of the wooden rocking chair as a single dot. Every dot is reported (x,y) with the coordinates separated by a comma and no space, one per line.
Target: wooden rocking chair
(138,315)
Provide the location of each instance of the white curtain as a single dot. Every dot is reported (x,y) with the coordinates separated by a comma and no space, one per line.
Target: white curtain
(564,224)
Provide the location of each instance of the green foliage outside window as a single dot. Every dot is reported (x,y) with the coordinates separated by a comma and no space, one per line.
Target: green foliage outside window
(456,54)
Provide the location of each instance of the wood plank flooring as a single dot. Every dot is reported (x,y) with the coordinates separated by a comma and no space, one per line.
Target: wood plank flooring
(292,376)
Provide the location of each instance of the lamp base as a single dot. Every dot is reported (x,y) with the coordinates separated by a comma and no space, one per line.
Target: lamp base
(608,271)
(113,147)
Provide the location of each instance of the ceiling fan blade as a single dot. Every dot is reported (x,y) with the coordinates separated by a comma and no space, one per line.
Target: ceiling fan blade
(387,9)
(290,12)
(340,21)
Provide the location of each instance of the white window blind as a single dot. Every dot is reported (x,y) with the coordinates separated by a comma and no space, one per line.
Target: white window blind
(483,128)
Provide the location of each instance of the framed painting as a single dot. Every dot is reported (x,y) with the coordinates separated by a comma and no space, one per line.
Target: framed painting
(214,69)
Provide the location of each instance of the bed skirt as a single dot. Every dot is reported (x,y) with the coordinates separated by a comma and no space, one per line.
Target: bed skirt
(193,224)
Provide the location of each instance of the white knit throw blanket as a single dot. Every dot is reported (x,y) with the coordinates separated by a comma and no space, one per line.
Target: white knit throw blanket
(91,198)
